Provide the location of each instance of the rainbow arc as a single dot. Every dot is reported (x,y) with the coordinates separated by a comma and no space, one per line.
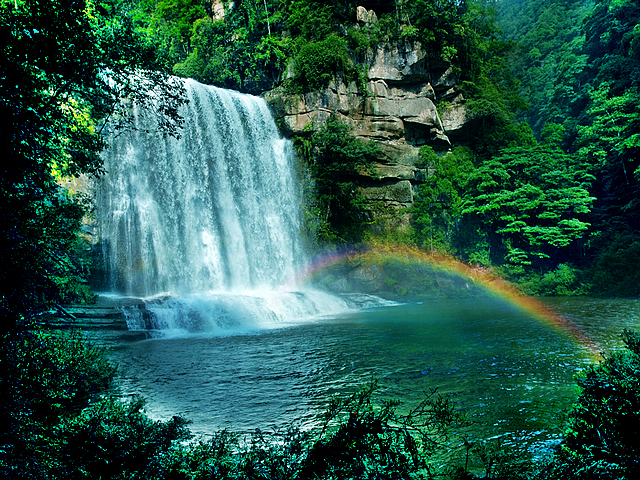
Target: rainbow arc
(480,276)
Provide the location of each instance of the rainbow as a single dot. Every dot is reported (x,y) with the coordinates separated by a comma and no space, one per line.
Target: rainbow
(480,276)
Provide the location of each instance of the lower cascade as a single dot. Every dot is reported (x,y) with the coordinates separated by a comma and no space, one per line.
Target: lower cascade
(205,230)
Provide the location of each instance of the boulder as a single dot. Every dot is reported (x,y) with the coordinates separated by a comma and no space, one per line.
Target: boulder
(399,62)
(366,16)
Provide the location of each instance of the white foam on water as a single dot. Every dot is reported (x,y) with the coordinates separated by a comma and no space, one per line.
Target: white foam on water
(225,313)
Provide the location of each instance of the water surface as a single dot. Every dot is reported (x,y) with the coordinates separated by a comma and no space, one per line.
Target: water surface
(509,373)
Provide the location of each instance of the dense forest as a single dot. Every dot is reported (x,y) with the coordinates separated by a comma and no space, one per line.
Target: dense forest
(546,193)
(578,70)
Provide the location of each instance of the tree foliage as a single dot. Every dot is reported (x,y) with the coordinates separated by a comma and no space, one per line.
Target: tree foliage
(237,51)
(336,158)
(438,206)
(70,70)
(314,20)
(317,63)
(601,441)
(356,439)
(527,207)
(614,271)
(610,145)
(549,63)
(171,24)
(67,66)
(534,199)
(579,69)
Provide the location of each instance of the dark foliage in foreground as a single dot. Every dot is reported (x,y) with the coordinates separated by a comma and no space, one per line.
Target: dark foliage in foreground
(604,425)
(62,419)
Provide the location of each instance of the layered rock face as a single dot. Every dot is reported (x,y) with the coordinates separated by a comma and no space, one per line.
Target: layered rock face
(397,109)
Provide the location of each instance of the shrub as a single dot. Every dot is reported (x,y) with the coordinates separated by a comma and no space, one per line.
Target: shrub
(378,443)
(317,63)
(59,419)
(565,279)
(604,425)
(112,439)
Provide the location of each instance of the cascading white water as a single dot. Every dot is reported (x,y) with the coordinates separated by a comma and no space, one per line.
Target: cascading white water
(209,223)
(218,209)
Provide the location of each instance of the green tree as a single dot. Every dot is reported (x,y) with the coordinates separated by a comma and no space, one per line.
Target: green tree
(239,51)
(601,441)
(336,158)
(318,62)
(586,58)
(611,41)
(534,199)
(438,205)
(357,439)
(437,24)
(608,134)
(67,66)
(552,135)
(170,23)
(550,62)
(610,145)
(493,101)
(314,20)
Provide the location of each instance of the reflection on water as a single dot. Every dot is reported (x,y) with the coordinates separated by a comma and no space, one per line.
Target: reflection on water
(509,373)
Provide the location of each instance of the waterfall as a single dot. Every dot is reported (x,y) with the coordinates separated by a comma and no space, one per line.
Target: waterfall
(218,209)
(206,227)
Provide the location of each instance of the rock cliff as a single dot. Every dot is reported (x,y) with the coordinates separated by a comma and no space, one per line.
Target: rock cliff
(408,101)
